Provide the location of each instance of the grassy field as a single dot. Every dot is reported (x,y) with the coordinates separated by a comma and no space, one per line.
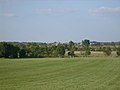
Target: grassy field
(60,74)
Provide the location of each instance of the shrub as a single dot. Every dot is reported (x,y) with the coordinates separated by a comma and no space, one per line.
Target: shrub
(107,51)
(118,51)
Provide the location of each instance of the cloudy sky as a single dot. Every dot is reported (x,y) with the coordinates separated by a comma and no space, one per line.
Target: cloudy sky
(59,20)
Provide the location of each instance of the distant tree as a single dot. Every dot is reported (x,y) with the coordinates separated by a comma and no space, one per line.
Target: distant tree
(8,50)
(114,46)
(60,50)
(71,44)
(49,51)
(118,51)
(42,51)
(15,51)
(107,51)
(30,51)
(52,51)
(85,45)
(37,51)
(2,49)
(22,53)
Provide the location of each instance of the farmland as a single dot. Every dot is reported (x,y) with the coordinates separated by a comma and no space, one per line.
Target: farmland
(100,73)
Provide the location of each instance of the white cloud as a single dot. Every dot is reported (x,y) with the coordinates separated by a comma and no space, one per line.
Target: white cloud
(106,10)
(9,14)
(52,11)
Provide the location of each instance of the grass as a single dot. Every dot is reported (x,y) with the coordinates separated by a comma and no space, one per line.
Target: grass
(60,74)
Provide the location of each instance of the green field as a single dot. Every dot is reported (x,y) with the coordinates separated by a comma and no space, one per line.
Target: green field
(60,74)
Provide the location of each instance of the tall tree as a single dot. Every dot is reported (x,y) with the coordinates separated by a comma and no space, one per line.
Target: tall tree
(86,48)
(71,44)
(60,50)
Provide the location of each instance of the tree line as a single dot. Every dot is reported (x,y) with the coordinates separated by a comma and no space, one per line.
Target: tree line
(41,50)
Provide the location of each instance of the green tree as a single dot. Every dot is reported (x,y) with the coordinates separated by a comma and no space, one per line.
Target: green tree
(86,48)
(54,51)
(37,51)
(49,51)
(71,44)
(60,50)
(107,51)
(22,53)
(118,51)
(2,49)
(8,50)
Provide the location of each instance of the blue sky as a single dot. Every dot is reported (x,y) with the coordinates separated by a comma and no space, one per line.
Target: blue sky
(59,20)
